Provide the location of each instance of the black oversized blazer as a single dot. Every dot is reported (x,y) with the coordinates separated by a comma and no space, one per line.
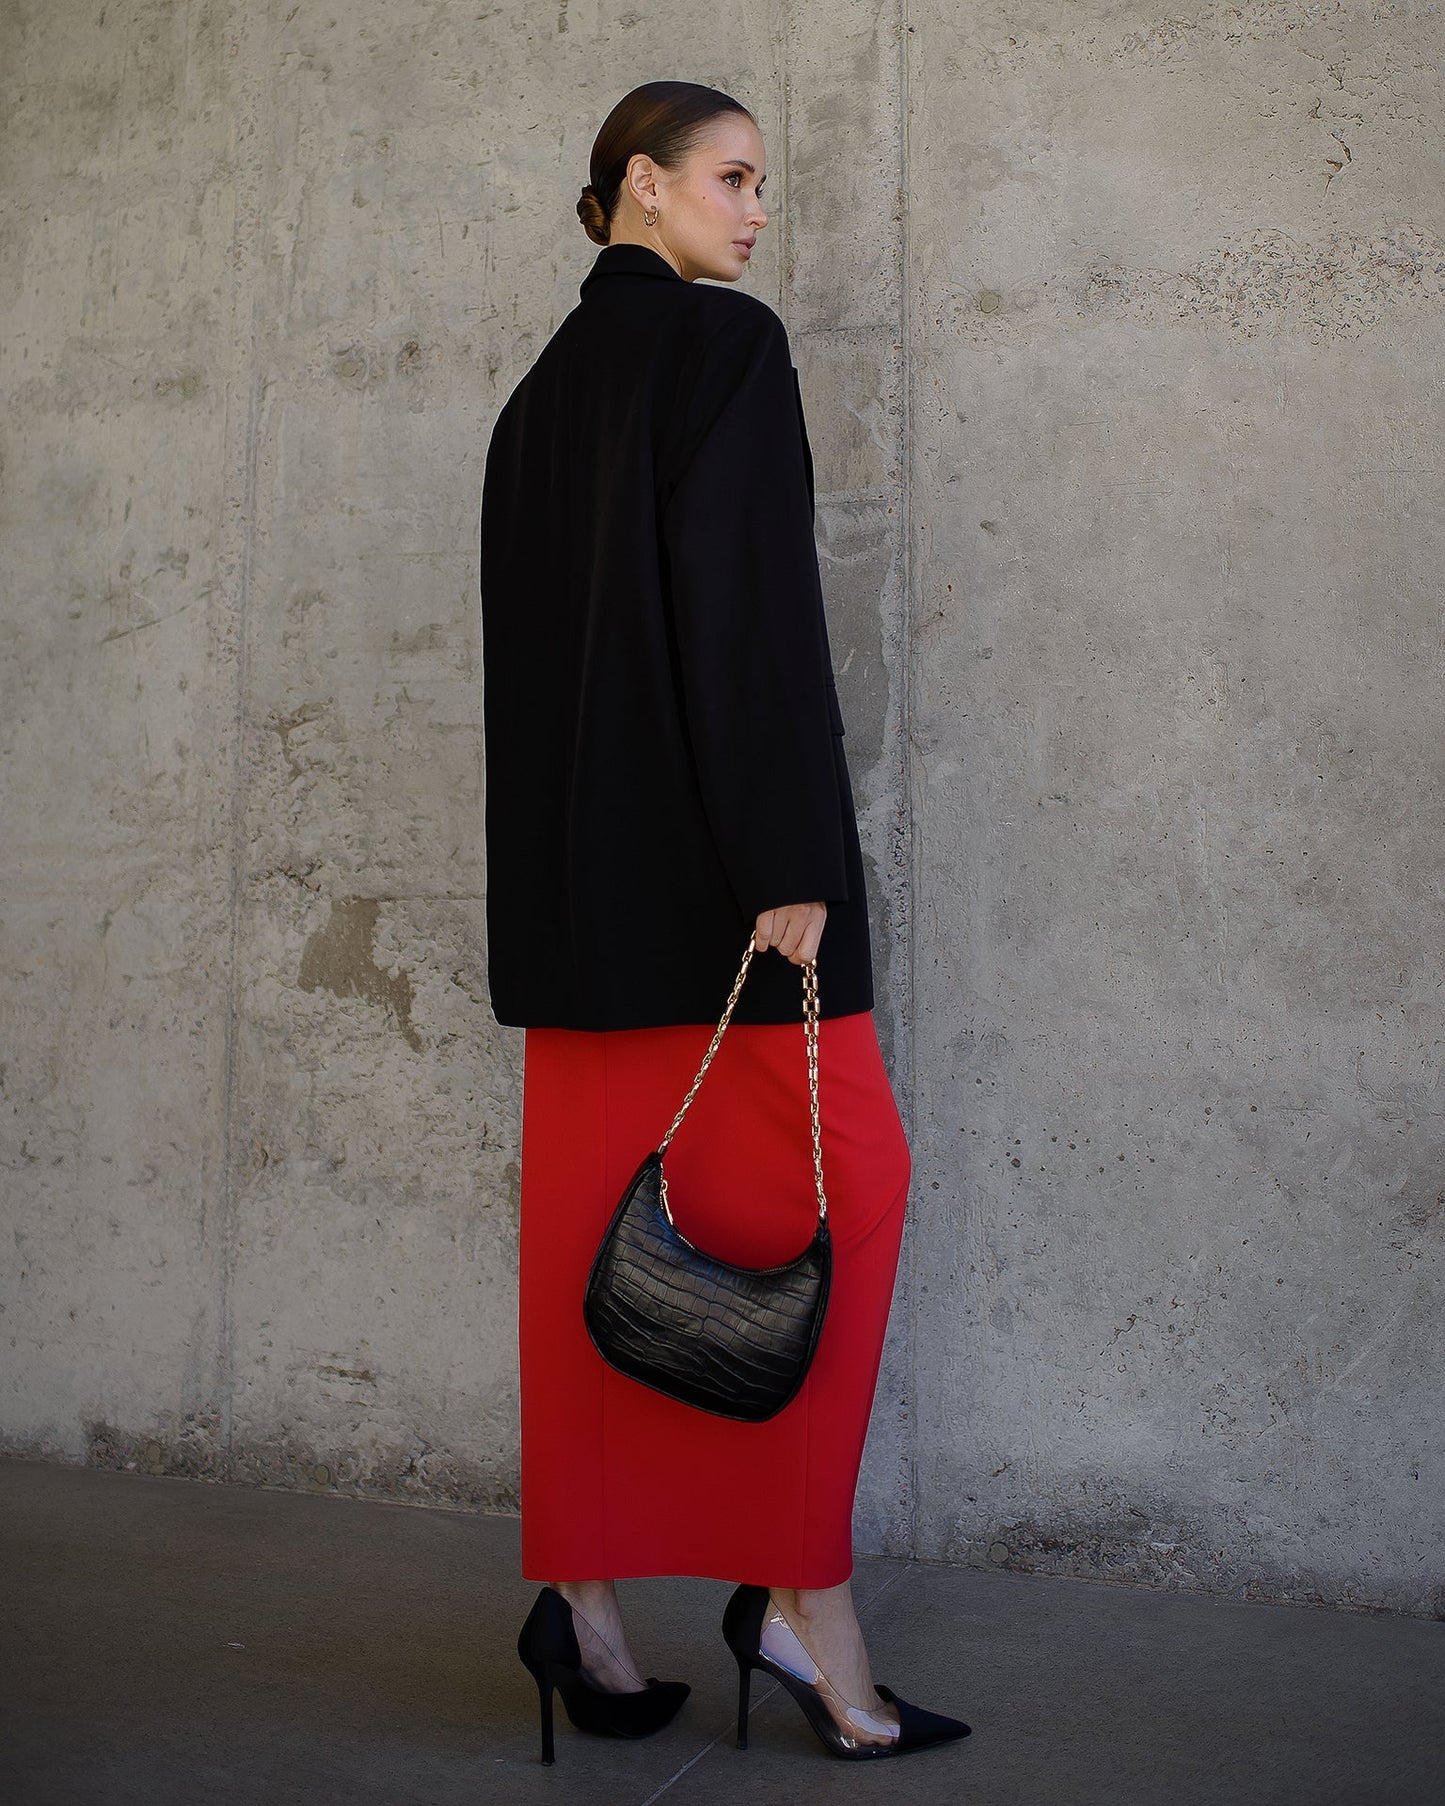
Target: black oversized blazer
(663,743)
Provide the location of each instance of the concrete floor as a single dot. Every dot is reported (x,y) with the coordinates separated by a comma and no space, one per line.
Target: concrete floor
(171,1641)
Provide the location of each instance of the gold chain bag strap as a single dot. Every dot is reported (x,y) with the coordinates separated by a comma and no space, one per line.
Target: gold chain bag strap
(736,1341)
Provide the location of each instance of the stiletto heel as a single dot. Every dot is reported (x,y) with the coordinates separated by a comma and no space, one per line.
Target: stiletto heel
(750,1617)
(547,1644)
(745,1675)
(544,1688)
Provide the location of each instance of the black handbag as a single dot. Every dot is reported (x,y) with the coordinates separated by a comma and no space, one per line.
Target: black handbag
(736,1341)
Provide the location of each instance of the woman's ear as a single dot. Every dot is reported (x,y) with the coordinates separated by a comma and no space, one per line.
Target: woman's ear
(641,181)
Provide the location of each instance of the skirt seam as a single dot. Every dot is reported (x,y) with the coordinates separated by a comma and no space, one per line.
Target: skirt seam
(606,1374)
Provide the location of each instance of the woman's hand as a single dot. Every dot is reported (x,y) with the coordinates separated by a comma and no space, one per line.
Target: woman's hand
(794,930)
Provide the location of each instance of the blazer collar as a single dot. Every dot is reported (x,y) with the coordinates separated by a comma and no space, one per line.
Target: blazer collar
(629,260)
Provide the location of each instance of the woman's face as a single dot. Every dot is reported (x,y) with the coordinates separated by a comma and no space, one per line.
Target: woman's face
(710,208)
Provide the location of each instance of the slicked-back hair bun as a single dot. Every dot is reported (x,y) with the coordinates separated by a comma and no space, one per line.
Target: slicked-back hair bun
(593,216)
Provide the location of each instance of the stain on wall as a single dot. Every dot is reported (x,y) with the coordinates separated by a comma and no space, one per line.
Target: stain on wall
(341,958)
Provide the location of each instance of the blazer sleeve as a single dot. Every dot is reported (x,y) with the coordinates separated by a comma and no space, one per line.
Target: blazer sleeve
(749,624)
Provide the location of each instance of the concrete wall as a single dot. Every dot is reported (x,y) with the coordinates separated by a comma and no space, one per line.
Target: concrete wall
(1120,340)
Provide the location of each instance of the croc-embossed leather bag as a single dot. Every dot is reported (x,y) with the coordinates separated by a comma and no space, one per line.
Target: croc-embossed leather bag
(736,1341)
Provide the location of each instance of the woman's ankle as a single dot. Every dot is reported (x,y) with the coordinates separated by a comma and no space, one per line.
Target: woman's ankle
(599,1595)
(808,1603)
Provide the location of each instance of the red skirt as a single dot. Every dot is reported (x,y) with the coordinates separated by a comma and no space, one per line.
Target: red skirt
(619,1480)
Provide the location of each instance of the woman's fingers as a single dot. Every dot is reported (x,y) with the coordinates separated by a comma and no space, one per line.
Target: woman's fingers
(796,929)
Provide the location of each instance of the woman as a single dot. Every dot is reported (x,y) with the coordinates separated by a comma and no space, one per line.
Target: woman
(665,776)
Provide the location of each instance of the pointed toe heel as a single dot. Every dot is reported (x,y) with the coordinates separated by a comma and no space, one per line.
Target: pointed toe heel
(745,1617)
(547,1644)
(919,1727)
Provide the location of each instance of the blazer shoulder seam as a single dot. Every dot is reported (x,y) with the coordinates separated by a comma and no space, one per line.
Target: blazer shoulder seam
(739,311)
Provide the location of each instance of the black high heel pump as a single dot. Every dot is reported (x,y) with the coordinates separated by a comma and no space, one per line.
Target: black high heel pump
(547,1644)
(751,1620)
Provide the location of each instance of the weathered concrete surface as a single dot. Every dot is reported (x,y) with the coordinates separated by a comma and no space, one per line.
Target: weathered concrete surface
(119,677)
(1177,759)
(1120,340)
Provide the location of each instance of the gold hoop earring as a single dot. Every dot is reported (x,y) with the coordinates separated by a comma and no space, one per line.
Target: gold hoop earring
(653,220)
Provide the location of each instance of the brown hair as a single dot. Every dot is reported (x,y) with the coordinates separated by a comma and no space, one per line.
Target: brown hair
(662,119)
